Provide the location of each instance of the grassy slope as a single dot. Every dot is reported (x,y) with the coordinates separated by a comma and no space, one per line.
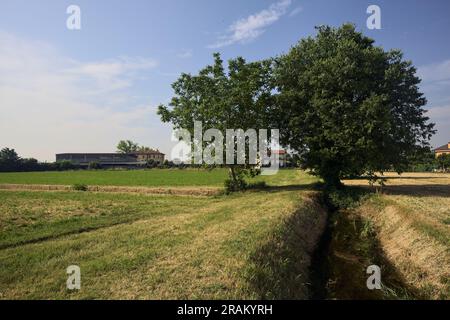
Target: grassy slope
(415,240)
(141,246)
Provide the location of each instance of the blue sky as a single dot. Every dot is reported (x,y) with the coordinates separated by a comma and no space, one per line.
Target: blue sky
(82,90)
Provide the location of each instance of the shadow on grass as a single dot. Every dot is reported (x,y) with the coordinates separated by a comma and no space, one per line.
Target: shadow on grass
(401,177)
(254,187)
(429,190)
(352,195)
(424,190)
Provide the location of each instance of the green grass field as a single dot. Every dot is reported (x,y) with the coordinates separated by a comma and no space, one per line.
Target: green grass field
(147,178)
(158,246)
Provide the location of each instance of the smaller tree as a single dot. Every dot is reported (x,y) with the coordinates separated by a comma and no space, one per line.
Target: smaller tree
(127,146)
(422,160)
(93,165)
(239,97)
(146,149)
(443,162)
(9,160)
(64,165)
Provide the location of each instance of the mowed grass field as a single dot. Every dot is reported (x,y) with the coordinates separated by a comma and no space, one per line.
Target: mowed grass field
(255,244)
(143,178)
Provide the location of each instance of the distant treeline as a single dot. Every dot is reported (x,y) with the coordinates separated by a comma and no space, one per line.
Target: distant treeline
(10,161)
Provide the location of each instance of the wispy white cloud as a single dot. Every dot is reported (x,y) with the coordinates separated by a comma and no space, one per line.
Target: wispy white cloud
(50,103)
(296,11)
(435,72)
(185,54)
(112,74)
(250,28)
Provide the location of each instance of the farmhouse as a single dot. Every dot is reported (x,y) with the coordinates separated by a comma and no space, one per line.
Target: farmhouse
(281,156)
(134,159)
(445,149)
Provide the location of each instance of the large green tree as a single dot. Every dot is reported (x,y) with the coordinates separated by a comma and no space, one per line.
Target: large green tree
(237,98)
(348,106)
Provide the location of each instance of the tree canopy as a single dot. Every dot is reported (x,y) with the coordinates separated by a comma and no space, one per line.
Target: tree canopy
(345,105)
(239,98)
(348,106)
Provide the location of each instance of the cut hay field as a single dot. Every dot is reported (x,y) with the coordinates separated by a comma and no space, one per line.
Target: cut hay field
(412,183)
(246,245)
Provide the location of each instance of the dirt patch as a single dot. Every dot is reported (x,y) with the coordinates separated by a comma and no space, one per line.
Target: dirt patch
(191,191)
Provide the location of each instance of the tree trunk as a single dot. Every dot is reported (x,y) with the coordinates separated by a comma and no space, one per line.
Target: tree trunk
(233,174)
(332,181)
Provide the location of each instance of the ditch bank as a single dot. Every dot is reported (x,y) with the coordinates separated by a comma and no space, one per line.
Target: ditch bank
(421,263)
(370,233)
(279,267)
